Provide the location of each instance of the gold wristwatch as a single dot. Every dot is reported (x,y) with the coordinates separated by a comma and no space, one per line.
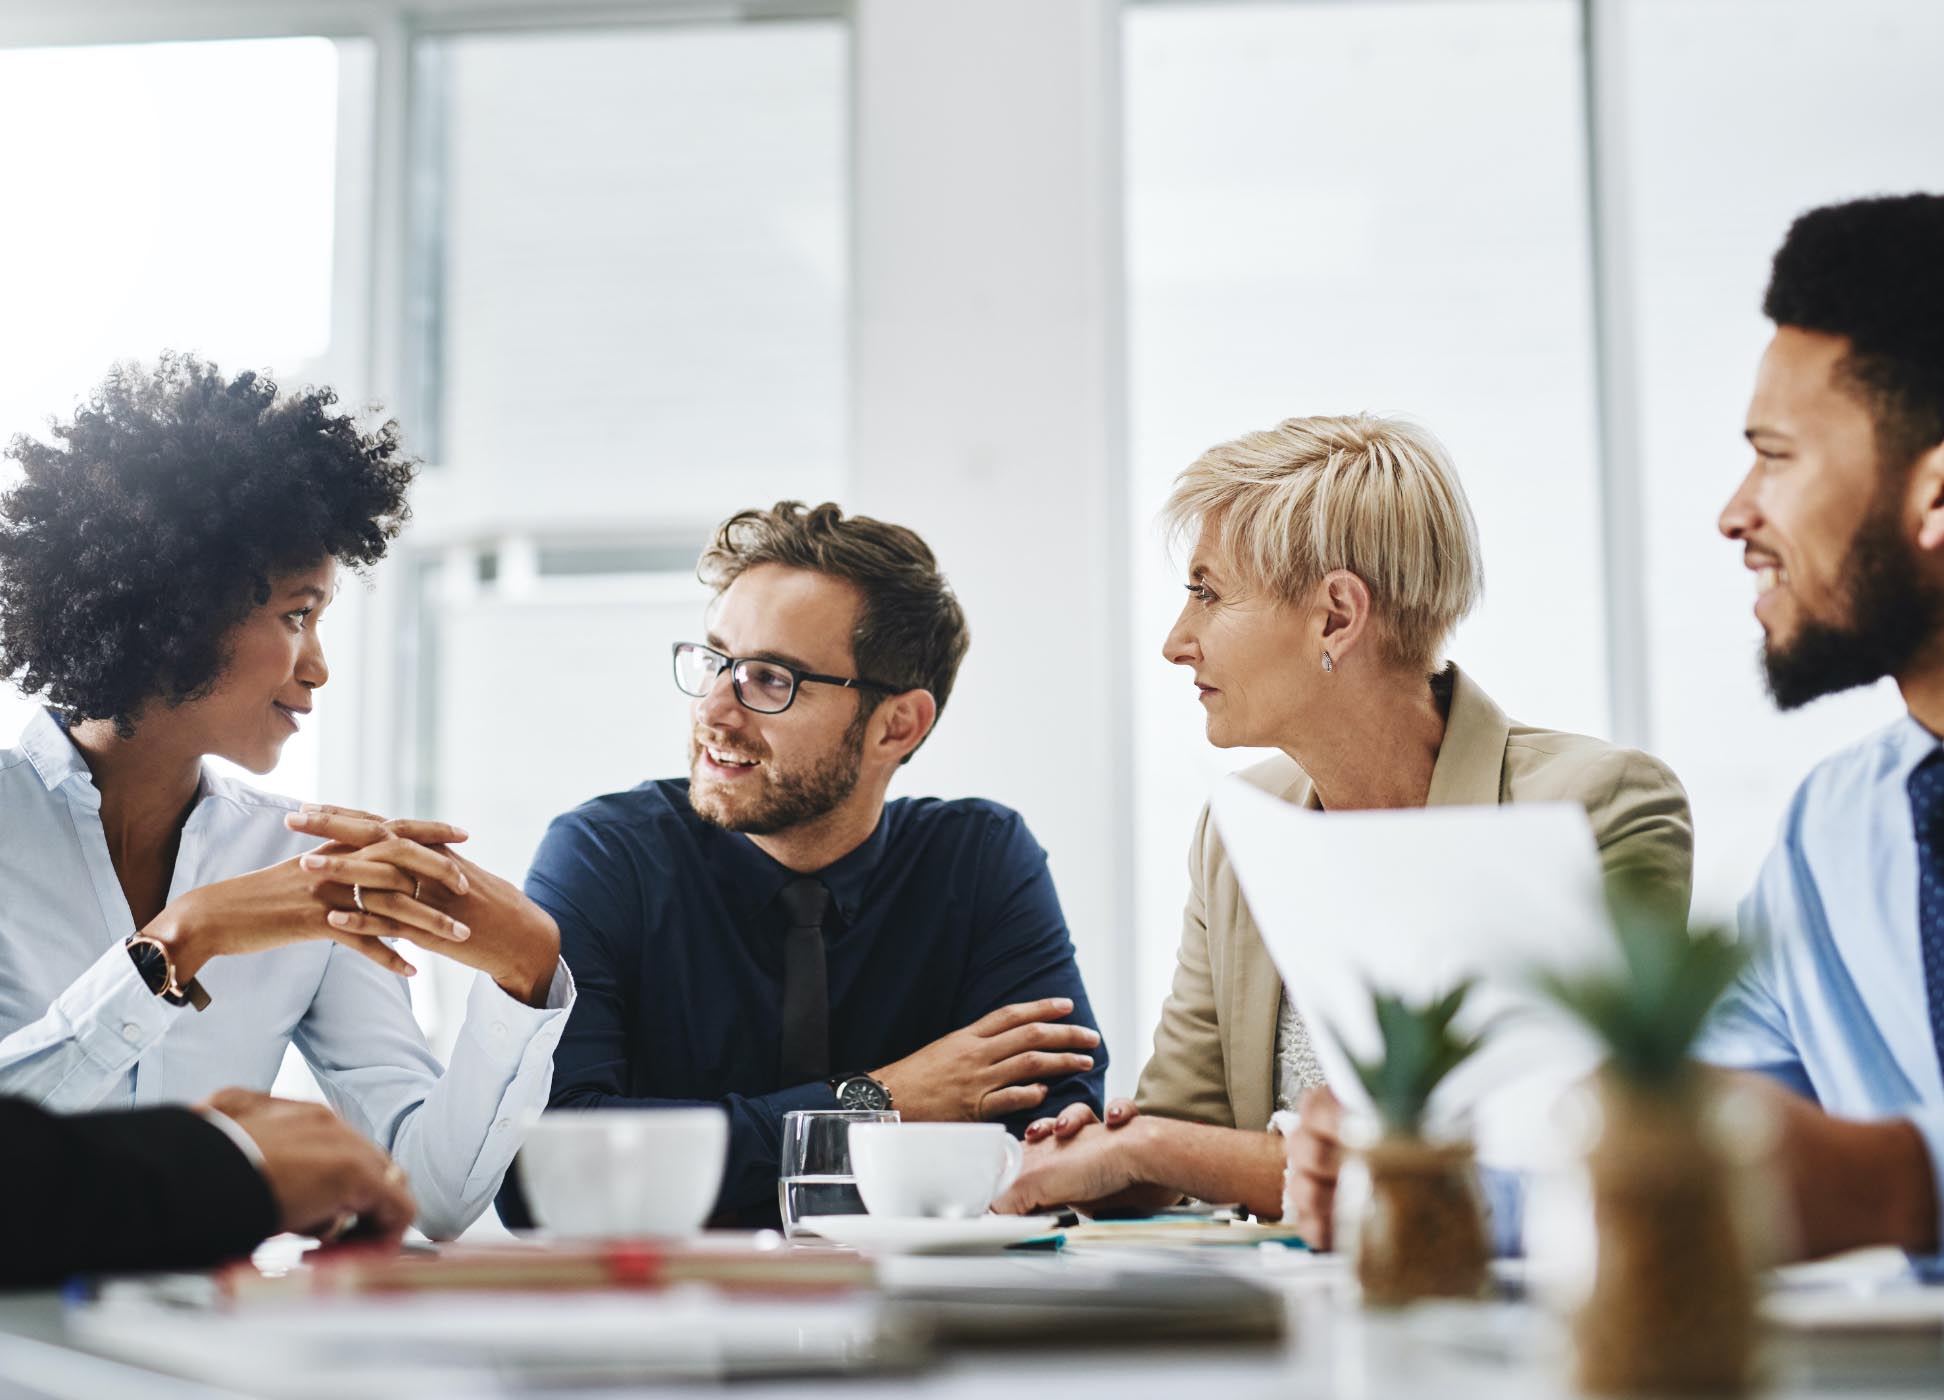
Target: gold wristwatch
(157,970)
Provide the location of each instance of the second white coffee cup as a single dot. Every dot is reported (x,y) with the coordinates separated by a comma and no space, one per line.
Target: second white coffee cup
(947,1171)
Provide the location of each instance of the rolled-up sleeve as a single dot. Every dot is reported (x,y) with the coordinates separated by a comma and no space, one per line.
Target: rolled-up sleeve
(1748,1027)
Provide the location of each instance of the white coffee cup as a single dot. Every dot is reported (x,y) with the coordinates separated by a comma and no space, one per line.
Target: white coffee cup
(942,1170)
(624,1171)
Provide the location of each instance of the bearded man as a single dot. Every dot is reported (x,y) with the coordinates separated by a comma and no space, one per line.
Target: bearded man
(1841,519)
(772,934)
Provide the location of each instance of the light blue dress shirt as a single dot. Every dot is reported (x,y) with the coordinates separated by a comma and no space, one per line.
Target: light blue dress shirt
(80,1030)
(1833,1003)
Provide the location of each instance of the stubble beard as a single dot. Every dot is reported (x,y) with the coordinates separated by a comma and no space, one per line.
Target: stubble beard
(789,798)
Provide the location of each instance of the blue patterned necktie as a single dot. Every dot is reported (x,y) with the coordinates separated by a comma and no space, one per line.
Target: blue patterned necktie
(1927,808)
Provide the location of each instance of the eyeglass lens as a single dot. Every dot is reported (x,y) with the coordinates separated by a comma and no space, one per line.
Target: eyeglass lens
(761,685)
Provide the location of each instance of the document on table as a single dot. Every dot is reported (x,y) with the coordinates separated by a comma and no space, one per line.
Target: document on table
(421,1344)
(1412,902)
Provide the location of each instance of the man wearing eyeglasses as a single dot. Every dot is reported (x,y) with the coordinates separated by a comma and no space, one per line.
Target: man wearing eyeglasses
(772,934)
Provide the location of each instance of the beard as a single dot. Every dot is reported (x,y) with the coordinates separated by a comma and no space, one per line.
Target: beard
(1893,614)
(788,797)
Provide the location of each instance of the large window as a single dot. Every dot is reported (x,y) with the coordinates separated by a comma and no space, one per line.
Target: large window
(639,240)
(1333,208)
(172,196)
(634,254)
(1741,114)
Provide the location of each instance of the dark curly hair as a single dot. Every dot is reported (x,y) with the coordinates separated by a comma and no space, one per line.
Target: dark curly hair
(155,519)
(910,630)
(1872,271)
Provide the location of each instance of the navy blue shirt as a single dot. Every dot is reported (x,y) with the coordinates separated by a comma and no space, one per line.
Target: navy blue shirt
(674,933)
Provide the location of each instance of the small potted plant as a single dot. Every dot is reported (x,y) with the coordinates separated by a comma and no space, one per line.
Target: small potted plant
(1422,1233)
(1672,1308)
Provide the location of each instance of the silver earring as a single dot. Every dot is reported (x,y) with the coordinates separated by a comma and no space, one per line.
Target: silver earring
(1328,665)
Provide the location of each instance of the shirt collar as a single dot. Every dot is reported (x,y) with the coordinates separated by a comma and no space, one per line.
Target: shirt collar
(752,880)
(48,748)
(56,761)
(1910,745)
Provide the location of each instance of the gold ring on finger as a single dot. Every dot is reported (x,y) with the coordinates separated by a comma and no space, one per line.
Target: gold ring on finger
(416,885)
(357,897)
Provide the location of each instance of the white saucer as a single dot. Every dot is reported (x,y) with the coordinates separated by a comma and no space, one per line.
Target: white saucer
(903,1234)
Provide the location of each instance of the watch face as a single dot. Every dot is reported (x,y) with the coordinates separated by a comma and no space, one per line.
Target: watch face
(863,1093)
(150,965)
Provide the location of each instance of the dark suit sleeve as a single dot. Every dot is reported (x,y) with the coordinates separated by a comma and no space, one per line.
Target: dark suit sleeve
(1022,952)
(579,881)
(122,1192)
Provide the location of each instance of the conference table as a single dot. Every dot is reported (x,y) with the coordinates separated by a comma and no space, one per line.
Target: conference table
(1071,1324)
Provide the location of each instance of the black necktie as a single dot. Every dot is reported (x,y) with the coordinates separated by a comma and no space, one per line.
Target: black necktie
(806,995)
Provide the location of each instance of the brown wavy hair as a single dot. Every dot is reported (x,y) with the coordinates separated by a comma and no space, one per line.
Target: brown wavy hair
(910,630)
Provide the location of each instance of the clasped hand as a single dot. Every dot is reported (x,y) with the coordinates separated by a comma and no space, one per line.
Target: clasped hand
(412,886)
(467,914)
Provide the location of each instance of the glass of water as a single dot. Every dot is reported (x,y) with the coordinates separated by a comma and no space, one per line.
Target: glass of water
(817,1177)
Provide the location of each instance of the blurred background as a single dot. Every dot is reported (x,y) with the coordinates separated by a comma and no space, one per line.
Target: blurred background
(995,269)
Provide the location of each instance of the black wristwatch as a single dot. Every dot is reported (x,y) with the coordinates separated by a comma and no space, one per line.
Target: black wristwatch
(860,1091)
(157,972)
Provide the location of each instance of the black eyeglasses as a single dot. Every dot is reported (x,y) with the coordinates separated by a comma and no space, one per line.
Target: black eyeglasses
(767,687)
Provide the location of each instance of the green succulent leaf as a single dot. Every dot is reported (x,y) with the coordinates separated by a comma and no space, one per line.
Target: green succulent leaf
(1649,1011)
(1420,1049)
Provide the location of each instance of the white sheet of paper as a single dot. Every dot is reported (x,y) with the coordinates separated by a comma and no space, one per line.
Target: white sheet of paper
(1411,902)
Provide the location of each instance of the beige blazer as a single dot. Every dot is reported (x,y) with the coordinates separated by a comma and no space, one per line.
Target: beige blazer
(1215,1049)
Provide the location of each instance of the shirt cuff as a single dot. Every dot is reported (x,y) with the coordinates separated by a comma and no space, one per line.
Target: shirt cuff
(1284,1123)
(113,1014)
(505,1025)
(237,1134)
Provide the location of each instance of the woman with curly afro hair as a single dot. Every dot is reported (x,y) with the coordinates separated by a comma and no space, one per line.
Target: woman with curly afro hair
(165,564)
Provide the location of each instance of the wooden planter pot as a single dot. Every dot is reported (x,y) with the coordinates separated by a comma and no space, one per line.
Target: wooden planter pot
(1422,1234)
(1672,1309)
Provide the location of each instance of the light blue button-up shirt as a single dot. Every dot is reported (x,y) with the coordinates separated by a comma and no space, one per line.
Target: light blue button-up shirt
(80,1030)
(1833,1002)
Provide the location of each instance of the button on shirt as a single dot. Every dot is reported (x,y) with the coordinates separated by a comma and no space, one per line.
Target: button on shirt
(675,934)
(80,1030)
(1834,1003)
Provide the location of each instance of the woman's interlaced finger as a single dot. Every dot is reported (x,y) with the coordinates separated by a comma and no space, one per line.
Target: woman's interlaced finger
(420,862)
(369,947)
(389,915)
(351,870)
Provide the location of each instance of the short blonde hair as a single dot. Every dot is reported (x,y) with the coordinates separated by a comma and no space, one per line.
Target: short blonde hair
(1377,496)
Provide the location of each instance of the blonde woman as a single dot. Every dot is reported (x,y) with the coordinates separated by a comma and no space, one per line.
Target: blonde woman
(1331,559)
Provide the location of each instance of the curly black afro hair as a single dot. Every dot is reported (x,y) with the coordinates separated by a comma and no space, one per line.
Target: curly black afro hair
(155,519)
(1872,271)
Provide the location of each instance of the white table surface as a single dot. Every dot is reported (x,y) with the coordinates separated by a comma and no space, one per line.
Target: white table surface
(1332,1348)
